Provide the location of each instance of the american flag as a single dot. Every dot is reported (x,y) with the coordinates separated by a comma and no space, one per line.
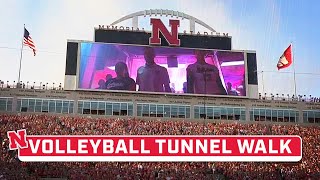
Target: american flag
(27,41)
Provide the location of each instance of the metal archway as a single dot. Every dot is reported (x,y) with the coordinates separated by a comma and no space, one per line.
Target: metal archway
(161,12)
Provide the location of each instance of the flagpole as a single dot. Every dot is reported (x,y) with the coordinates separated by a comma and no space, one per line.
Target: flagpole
(21,57)
(294,72)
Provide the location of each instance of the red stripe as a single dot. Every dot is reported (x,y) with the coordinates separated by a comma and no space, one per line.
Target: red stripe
(28,44)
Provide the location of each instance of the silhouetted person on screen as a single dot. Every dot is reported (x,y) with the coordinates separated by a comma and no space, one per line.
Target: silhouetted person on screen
(230,90)
(102,84)
(204,78)
(122,81)
(152,77)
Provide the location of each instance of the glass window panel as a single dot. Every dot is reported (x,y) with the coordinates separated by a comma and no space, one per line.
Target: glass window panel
(145,110)
(130,106)
(45,105)
(230,111)
(202,110)
(317,114)
(160,108)
(32,102)
(71,104)
(65,109)
(86,105)
(280,113)
(237,111)
(251,115)
(196,109)
(262,112)
(109,109)
(274,113)
(116,106)
(3,101)
(153,109)
(182,110)
(223,111)
(52,106)
(268,113)
(196,115)
(174,111)
(3,104)
(102,106)
(38,102)
(124,106)
(9,105)
(139,110)
(305,117)
(210,112)
(310,114)
(130,112)
(31,107)
(94,105)
(243,111)
(24,103)
(18,105)
(167,111)
(188,112)
(38,105)
(286,113)
(80,104)
(58,106)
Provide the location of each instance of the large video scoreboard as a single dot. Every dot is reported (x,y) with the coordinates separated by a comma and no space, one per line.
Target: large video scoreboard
(129,61)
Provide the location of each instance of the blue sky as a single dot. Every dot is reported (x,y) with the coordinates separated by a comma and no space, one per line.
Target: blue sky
(267,26)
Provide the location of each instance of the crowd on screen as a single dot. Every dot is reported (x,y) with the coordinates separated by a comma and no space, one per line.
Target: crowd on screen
(12,168)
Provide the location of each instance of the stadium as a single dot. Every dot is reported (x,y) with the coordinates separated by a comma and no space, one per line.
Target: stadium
(194,84)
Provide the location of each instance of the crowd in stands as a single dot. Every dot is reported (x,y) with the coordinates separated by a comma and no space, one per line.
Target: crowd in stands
(12,168)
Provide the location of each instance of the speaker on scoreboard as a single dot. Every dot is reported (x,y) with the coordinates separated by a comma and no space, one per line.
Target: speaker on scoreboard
(252,68)
(71,59)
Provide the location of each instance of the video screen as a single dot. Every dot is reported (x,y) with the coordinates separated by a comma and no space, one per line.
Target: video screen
(161,69)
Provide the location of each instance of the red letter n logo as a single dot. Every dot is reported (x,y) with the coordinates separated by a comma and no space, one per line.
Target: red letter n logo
(158,26)
(17,139)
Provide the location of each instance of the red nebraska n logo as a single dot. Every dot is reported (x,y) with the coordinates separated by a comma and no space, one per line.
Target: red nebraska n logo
(17,139)
(158,26)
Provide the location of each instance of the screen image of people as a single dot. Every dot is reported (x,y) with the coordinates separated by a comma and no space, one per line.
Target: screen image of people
(152,77)
(203,78)
(178,70)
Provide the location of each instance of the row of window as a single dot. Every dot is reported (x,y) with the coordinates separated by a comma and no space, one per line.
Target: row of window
(274,115)
(157,110)
(105,108)
(6,104)
(311,116)
(163,110)
(219,113)
(45,105)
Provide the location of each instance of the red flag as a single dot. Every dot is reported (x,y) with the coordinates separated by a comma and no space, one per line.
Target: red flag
(286,59)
